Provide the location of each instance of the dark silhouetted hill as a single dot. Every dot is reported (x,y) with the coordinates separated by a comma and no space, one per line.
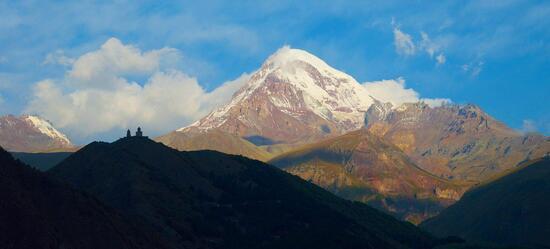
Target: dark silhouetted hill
(209,199)
(41,161)
(36,212)
(512,210)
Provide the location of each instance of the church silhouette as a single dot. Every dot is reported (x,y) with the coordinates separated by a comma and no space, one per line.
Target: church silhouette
(139,133)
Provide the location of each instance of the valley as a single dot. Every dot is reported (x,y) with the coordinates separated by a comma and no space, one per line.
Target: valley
(301,156)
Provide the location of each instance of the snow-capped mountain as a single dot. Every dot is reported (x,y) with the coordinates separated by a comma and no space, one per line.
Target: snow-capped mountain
(294,96)
(29,133)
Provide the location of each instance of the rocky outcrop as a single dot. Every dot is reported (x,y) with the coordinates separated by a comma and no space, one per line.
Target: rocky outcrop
(363,167)
(458,142)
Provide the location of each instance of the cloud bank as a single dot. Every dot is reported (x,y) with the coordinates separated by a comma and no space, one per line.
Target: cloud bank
(118,86)
(96,95)
(395,92)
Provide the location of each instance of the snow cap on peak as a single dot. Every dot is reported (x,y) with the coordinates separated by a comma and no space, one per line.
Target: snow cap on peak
(286,55)
(46,128)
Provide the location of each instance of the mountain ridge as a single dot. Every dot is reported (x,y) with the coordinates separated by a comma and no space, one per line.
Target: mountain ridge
(360,166)
(454,141)
(28,133)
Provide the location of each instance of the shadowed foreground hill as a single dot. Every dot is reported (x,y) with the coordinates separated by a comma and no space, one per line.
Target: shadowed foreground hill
(511,210)
(207,199)
(41,161)
(36,212)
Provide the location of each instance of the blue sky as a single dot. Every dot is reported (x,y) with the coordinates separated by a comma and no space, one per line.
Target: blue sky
(495,54)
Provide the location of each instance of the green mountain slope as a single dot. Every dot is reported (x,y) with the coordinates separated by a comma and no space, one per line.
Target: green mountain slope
(37,212)
(510,210)
(213,200)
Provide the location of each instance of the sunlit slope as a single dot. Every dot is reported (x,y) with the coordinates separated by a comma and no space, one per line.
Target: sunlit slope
(363,167)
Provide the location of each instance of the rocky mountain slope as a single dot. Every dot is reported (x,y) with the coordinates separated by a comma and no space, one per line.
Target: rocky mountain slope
(214,140)
(512,210)
(294,97)
(28,133)
(361,166)
(454,141)
(209,199)
(37,212)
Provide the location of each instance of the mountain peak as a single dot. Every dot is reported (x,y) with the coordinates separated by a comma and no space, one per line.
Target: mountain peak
(294,96)
(288,61)
(286,55)
(46,128)
(28,133)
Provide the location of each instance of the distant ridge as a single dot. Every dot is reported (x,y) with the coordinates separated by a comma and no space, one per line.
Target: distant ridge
(28,133)
(457,142)
(41,161)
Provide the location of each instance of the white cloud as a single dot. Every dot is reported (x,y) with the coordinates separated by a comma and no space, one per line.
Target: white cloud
(114,60)
(431,47)
(435,102)
(58,57)
(223,93)
(403,42)
(2,101)
(473,68)
(405,45)
(541,125)
(440,59)
(427,44)
(528,126)
(394,91)
(477,69)
(98,103)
